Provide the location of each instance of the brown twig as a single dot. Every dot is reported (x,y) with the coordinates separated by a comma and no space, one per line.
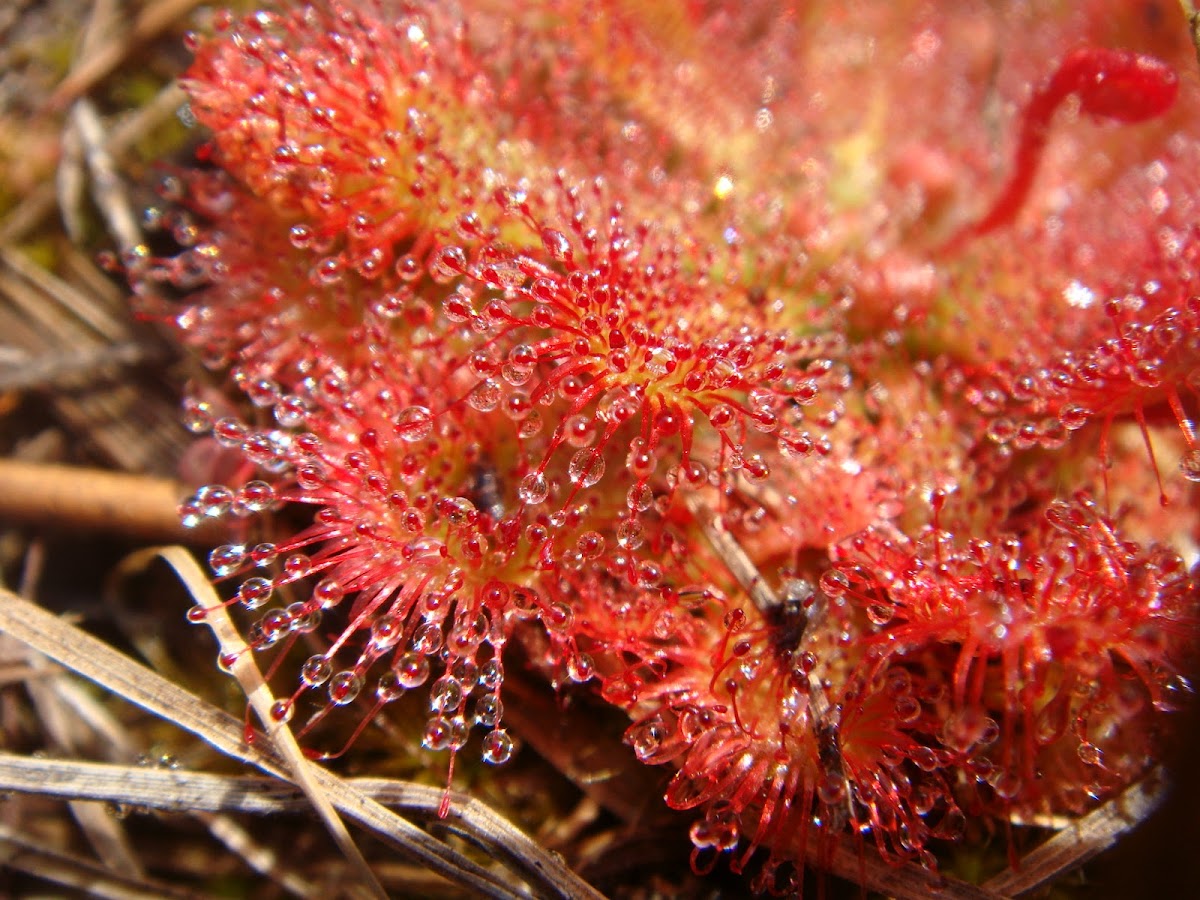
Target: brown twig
(95,500)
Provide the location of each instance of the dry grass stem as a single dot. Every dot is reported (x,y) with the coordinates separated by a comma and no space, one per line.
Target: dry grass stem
(735,558)
(70,183)
(68,370)
(261,859)
(245,670)
(176,790)
(101,664)
(34,207)
(68,733)
(108,190)
(862,865)
(134,426)
(1084,839)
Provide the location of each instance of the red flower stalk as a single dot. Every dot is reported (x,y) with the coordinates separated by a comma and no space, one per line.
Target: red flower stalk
(1110,84)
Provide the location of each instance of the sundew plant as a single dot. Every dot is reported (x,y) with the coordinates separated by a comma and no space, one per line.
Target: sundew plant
(812,382)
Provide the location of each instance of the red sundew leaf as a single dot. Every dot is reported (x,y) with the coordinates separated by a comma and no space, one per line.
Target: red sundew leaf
(628,326)
(261,296)
(1049,629)
(738,718)
(370,125)
(1149,367)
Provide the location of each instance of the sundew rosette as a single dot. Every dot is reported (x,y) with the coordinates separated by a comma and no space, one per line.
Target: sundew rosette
(816,429)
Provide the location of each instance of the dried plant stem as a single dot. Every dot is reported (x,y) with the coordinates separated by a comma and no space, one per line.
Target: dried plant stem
(108,189)
(175,790)
(736,560)
(106,667)
(260,858)
(861,865)
(1084,839)
(134,426)
(39,203)
(739,564)
(69,369)
(95,500)
(67,731)
(246,672)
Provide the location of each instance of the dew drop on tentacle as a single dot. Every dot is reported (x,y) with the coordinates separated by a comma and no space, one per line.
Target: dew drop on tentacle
(491,675)
(534,488)
(447,264)
(254,592)
(344,687)
(497,747)
(556,244)
(438,733)
(226,559)
(587,467)
(412,670)
(389,686)
(1090,754)
(316,671)
(486,395)
(414,423)
(446,695)
(282,710)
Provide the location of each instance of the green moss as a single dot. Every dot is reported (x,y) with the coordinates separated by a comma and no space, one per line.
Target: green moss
(43,252)
(57,52)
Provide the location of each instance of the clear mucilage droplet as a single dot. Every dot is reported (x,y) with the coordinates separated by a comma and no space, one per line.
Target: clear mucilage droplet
(344,687)
(316,671)
(497,747)
(587,467)
(226,559)
(534,488)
